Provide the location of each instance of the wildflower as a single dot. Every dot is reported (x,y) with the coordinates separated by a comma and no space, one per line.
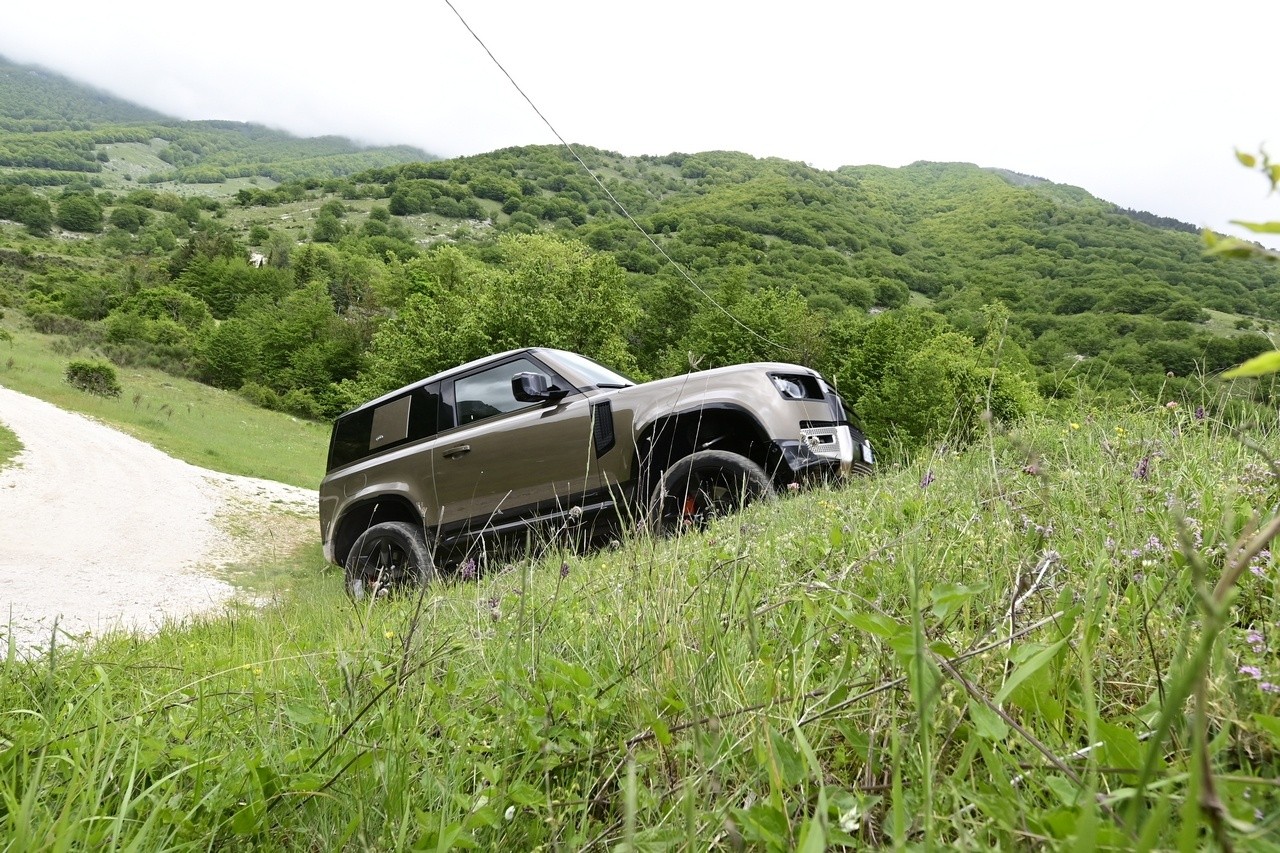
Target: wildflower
(1268,687)
(1143,469)
(1110,544)
(793,487)
(1199,413)
(564,570)
(926,479)
(468,570)
(1256,642)
(1119,430)
(1032,469)
(1075,425)
(390,635)
(1251,671)
(1171,405)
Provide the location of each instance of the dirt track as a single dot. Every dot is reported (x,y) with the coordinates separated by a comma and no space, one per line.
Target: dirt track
(100,531)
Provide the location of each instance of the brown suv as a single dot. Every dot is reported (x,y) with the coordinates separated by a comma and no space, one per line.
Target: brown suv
(542,437)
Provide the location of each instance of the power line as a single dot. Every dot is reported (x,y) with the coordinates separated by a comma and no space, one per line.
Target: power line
(685,275)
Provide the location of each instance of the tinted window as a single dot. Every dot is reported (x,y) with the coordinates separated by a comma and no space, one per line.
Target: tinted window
(413,416)
(488,393)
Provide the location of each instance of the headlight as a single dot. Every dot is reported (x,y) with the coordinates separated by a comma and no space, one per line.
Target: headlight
(788,388)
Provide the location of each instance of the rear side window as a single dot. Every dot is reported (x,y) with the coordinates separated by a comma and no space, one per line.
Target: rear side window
(411,417)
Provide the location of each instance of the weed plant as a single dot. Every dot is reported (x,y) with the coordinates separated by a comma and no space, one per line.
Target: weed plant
(1019,644)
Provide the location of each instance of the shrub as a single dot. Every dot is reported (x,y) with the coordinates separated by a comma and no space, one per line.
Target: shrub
(260,395)
(95,377)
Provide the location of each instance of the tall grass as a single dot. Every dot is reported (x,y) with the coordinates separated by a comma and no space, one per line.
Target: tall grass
(1017,644)
(199,424)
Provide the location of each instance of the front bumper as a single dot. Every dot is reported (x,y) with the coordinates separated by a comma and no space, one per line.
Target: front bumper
(837,448)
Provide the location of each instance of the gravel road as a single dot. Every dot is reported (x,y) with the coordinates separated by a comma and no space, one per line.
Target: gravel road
(100,531)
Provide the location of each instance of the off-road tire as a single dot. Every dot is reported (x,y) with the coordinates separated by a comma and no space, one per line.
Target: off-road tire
(702,486)
(387,558)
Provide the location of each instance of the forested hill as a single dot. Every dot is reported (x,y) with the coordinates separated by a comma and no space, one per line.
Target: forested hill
(55,131)
(904,285)
(35,99)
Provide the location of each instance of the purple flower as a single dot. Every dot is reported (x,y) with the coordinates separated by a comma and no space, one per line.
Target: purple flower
(1256,641)
(564,570)
(1268,687)
(468,570)
(1251,671)
(1110,544)
(1143,469)
(926,479)
(1199,413)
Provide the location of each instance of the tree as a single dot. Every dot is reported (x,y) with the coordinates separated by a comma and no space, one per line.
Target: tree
(80,213)
(129,217)
(327,228)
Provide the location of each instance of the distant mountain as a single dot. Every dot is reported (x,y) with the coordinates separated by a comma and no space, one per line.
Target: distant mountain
(36,99)
(55,129)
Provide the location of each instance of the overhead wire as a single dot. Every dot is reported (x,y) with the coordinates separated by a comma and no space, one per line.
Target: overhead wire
(627,214)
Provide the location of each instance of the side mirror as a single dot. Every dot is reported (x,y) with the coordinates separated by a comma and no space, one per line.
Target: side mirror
(535,388)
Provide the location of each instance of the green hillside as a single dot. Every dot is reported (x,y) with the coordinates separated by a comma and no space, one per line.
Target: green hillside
(56,131)
(132,239)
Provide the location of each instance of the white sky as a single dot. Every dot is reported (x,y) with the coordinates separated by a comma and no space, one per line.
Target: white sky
(1140,103)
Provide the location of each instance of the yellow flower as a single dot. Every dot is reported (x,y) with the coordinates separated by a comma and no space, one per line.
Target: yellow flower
(390,635)
(1075,425)
(257,671)
(1119,430)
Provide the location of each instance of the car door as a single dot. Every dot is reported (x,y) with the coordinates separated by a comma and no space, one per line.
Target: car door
(508,461)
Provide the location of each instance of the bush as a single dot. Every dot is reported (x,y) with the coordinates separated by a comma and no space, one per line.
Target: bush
(95,377)
(260,395)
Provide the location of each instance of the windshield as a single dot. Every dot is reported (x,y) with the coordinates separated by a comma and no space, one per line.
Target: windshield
(595,374)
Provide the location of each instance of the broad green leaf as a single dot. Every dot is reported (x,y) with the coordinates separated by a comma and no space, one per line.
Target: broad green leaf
(790,762)
(986,722)
(1258,227)
(1268,362)
(1120,746)
(1064,789)
(1246,159)
(875,623)
(948,598)
(1270,725)
(1029,668)
(1229,247)
(248,820)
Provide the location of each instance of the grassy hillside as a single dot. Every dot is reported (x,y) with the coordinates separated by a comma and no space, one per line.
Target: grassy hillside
(201,425)
(991,648)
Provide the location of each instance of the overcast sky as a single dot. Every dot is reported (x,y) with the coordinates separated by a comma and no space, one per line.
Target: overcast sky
(1140,103)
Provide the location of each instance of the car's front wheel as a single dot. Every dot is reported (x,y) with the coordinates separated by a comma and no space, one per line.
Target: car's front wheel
(703,486)
(388,557)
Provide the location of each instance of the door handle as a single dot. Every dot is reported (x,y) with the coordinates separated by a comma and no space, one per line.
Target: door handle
(455,452)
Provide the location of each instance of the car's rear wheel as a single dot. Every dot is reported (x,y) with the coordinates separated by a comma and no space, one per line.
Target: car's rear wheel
(386,558)
(703,486)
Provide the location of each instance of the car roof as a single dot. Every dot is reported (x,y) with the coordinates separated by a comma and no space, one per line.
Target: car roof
(444,374)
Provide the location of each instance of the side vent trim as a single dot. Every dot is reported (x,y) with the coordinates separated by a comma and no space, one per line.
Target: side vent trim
(602,428)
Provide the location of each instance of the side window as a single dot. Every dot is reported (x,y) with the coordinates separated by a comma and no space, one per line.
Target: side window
(416,415)
(488,393)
